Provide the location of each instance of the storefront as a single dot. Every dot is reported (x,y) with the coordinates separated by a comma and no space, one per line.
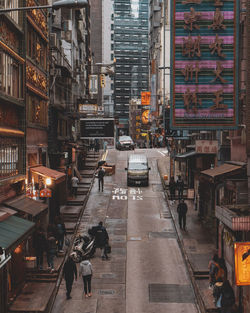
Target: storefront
(14,234)
(55,182)
(212,184)
(233,225)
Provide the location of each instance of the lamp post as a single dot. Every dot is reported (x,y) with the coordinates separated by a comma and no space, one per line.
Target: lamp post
(70,4)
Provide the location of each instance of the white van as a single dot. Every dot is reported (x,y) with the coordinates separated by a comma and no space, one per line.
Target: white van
(137,170)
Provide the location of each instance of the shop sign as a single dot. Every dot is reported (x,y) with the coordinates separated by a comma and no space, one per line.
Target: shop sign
(206,146)
(88,108)
(242,263)
(204,64)
(145,97)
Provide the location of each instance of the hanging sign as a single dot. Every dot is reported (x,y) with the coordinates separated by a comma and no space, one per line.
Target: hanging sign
(204,72)
(242,263)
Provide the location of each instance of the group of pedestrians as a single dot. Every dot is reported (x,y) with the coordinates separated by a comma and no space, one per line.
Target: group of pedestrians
(86,269)
(176,185)
(223,293)
(51,244)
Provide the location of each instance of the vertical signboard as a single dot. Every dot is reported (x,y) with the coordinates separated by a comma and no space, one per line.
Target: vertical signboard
(242,263)
(204,74)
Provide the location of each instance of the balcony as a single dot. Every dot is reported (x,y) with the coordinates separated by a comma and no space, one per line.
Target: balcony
(236,217)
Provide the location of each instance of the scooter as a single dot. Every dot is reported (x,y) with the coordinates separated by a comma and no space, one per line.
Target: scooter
(84,248)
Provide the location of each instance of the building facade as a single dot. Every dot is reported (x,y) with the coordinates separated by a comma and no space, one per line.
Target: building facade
(131,54)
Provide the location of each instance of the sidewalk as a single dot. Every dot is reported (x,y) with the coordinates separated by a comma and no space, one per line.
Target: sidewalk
(197,246)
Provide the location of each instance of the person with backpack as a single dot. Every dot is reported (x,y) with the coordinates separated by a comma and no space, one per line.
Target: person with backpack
(225,296)
(69,270)
(86,272)
(100,175)
(101,239)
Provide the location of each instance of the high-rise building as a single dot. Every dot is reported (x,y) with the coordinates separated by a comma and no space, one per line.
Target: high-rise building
(131,54)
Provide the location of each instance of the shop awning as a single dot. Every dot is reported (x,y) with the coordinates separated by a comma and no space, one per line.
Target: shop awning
(13,230)
(48,172)
(185,155)
(27,205)
(221,170)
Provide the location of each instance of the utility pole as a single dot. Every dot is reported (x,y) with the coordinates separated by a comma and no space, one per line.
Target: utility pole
(248,99)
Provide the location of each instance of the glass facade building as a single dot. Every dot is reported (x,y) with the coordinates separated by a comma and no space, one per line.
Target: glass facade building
(131,53)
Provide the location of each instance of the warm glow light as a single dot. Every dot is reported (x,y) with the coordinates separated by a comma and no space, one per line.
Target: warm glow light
(18,249)
(242,263)
(48,181)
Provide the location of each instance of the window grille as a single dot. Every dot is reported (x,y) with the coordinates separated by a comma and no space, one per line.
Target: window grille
(10,160)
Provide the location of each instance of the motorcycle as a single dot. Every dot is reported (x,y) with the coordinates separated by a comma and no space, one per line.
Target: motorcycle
(84,248)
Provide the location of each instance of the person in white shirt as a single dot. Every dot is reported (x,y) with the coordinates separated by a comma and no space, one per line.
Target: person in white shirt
(86,272)
(74,182)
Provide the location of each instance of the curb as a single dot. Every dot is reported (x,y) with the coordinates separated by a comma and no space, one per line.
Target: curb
(60,276)
(199,301)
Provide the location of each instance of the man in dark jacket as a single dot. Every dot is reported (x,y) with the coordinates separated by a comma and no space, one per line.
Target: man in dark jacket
(69,270)
(180,187)
(101,239)
(100,175)
(40,246)
(182,211)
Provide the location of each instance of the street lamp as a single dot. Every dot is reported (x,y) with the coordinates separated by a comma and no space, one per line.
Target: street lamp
(70,4)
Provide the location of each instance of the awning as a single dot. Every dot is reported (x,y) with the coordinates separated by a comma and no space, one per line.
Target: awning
(26,205)
(48,172)
(222,169)
(185,155)
(11,132)
(13,231)
(5,210)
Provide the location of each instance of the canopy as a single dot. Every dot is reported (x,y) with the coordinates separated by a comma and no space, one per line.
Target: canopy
(13,231)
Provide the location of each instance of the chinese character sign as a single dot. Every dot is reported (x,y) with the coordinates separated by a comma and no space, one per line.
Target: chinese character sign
(145,97)
(204,74)
(206,146)
(242,263)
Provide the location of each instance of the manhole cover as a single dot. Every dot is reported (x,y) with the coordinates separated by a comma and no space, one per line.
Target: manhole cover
(108,275)
(165,293)
(106,292)
(162,235)
(135,238)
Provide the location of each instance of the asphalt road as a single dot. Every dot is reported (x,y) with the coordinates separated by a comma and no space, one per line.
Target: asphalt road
(146,272)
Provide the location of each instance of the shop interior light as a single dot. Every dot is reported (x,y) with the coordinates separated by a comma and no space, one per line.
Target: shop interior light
(18,249)
(48,181)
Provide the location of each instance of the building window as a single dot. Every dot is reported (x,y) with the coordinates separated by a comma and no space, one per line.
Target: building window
(10,76)
(37,110)
(37,49)
(10,157)
(9,4)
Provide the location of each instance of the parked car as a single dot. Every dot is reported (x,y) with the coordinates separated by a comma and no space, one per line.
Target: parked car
(125,143)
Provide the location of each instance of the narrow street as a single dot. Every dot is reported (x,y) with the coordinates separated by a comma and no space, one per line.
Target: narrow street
(146,271)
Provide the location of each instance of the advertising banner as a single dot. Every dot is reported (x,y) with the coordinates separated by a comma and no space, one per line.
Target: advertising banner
(204,72)
(96,128)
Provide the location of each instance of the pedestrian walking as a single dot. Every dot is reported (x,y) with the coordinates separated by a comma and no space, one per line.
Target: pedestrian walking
(180,187)
(101,239)
(213,268)
(86,272)
(74,183)
(100,175)
(182,212)
(60,232)
(69,270)
(97,145)
(225,297)
(40,246)
(172,188)
(51,252)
